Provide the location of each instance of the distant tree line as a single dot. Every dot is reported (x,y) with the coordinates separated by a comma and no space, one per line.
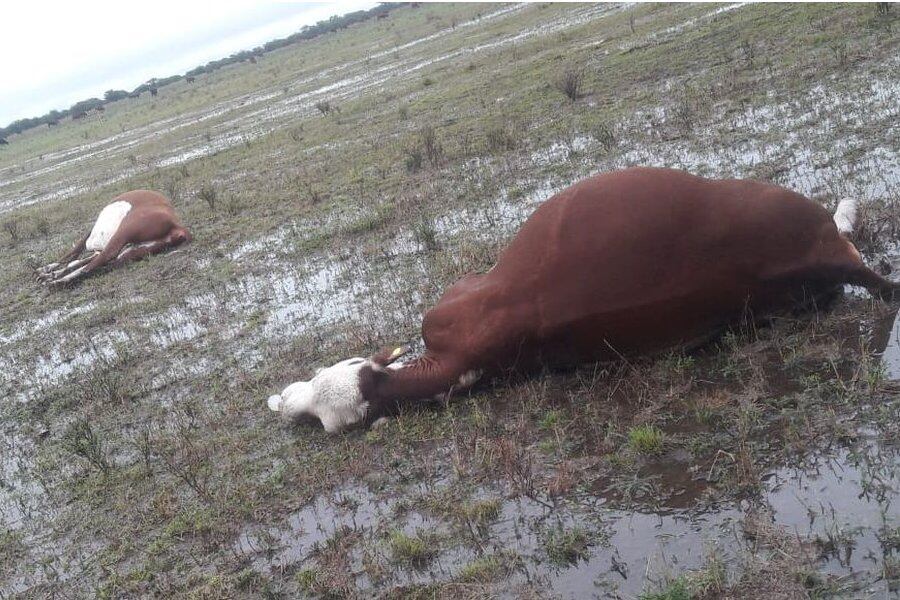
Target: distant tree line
(81,109)
(308,32)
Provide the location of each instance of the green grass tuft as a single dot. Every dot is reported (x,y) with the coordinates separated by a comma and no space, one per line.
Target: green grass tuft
(412,549)
(675,590)
(482,570)
(646,439)
(567,546)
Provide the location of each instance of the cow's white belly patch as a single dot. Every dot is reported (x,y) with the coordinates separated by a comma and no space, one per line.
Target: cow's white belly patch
(107,224)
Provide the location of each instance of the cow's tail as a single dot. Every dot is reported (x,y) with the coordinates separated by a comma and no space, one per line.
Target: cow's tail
(846,215)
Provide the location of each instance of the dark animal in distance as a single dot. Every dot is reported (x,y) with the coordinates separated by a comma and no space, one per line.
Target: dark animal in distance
(626,263)
(134,225)
(3,142)
(190,79)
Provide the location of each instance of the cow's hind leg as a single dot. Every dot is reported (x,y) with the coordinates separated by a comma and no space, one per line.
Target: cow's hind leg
(857,273)
(846,218)
(877,285)
(139,251)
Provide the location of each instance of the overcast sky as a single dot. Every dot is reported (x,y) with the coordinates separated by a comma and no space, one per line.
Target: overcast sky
(53,55)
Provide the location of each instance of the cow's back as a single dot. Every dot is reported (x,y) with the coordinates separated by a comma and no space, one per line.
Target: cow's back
(642,259)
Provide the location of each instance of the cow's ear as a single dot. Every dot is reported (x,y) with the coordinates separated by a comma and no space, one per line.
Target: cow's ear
(371,377)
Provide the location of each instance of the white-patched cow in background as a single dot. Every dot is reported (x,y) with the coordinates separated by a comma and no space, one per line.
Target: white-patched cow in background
(132,226)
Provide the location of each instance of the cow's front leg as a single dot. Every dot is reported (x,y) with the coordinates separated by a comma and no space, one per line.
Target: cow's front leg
(68,258)
(79,270)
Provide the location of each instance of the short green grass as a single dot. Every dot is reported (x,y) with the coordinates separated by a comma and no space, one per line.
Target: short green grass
(566,546)
(482,570)
(646,439)
(482,512)
(415,549)
(677,589)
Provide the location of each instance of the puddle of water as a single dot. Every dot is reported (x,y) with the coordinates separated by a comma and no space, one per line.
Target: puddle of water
(353,507)
(844,499)
(22,329)
(629,550)
(886,341)
(19,493)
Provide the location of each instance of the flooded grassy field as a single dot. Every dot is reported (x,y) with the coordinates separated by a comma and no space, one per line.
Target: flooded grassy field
(137,454)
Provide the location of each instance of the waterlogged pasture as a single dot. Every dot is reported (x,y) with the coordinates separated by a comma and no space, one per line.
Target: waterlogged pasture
(138,458)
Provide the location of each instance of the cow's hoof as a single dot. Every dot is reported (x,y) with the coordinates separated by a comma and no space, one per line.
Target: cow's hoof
(379,423)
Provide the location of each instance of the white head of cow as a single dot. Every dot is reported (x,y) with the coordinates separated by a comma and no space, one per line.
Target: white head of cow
(333,395)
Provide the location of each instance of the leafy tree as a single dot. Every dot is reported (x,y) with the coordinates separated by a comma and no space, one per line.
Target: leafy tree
(114,95)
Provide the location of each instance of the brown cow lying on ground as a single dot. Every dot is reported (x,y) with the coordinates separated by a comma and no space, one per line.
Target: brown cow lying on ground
(624,263)
(133,225)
